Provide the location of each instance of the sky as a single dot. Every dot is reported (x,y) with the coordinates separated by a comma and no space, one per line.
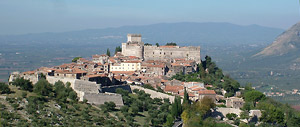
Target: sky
(35,16)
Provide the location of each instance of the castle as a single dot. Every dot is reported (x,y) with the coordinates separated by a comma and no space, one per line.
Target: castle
(135,47)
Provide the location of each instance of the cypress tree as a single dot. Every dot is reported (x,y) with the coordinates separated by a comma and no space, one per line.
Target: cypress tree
(186,102)
(108,52)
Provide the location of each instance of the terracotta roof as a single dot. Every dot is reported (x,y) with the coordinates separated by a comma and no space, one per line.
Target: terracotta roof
(193,87)
(96,56)
(162,80)
(187,65)
(96,75)
(112,60)
(173,89)
(197,89)
(29,72)
(175,64)
(132,57)
(206,92)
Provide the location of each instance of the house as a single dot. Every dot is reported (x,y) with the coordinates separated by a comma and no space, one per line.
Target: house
(173,89)
(235,102)
(207,93)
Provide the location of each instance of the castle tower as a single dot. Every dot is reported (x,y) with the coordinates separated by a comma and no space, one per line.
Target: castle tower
(134,38)
(134,46)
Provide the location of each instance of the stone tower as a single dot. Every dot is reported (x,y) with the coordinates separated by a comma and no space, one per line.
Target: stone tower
(134,46)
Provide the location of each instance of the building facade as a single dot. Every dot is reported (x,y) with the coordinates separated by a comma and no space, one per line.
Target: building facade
(135,47)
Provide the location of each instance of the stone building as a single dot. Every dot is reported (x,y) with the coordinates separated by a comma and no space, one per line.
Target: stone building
(207,93)
(234,102)
(135,47)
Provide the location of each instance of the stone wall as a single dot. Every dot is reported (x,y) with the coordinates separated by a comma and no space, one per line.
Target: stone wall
(154,94)
(223,111)
(52,80)
(129,49)
(100,98)
(158,53)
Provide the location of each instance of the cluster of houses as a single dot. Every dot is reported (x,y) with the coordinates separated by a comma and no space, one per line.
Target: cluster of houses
(135,65)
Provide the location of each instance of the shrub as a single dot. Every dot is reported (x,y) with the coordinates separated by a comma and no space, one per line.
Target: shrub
(24,84)
(4,89)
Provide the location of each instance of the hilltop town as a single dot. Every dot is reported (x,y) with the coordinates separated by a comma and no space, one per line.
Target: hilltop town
(169,72)
(137,63)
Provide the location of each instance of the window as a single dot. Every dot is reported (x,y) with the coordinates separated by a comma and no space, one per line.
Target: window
(171,53)
(153,52)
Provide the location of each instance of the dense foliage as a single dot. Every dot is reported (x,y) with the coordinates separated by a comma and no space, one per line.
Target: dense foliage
(171,44)
(75,59)
(155,110)
(24,84)
(4,89)
(118,49)
(108,52)
(209,73)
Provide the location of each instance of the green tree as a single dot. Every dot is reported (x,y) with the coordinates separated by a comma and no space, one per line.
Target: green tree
(231,116)
(147,44)
(171,44)
(118,49)
(186,101)
(253,96)
(157,44)
(108,52)
(4,89)
(42,87)
(24,84)
(170,121)
(271,114)
(176,109)
(75,59)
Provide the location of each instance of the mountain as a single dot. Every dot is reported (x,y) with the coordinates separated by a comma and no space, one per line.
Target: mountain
(185,33)
(287,42)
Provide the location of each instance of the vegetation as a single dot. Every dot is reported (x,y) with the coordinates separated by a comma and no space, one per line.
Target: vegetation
(155,112)
(157,44)
(75,59)
(58,107)
(23,84)
(118,49)
(148,44)
(171,44)
(209,73)
(4,89)
(108,52)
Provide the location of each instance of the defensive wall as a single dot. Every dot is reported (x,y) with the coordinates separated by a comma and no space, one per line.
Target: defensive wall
(100,98)
(154,94)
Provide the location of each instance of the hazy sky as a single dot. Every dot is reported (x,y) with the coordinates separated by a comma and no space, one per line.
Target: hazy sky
(31,16)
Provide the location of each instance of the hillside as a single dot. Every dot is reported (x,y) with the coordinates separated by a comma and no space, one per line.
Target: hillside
(287,42)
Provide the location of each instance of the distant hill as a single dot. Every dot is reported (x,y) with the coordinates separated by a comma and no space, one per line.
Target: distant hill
(185,33)
(284,51)
(287,42)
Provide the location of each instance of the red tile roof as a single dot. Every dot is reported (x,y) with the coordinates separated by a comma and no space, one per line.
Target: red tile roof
(173,89)
(206,92)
